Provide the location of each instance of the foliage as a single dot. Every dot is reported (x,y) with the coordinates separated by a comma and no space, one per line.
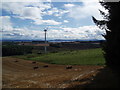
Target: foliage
(58,45)
(111,24)
(9,50)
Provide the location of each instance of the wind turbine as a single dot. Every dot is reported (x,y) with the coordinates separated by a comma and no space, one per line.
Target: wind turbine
(45,30)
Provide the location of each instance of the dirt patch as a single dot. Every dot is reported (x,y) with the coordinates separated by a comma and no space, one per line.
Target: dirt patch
(21,74)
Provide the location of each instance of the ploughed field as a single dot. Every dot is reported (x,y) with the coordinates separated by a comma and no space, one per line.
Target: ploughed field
(19,73)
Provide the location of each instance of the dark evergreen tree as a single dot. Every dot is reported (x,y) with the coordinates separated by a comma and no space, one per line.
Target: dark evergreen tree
(111,24)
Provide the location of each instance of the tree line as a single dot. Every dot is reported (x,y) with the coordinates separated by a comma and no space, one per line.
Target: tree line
(9,50)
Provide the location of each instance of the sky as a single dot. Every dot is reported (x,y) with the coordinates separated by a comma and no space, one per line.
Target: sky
(63,20)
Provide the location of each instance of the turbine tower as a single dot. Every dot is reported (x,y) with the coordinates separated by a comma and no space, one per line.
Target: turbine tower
(45,30)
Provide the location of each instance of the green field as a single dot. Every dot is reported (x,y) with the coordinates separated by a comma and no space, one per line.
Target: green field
(78,57)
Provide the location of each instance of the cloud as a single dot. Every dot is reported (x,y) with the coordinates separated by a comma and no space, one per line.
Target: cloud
(33,11)
(47,22)
(65,21)
(36,11)
(51,22)
(69,5)
(85,10)
(23,33)
(10,32)
(5,23)
(84,32)
(56,12)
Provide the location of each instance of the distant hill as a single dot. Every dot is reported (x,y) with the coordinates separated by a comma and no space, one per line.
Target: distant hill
(56,40)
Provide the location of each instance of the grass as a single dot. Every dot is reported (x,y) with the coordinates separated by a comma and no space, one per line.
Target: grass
(78,57)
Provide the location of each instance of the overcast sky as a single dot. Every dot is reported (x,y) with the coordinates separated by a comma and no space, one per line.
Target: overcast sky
(64,20)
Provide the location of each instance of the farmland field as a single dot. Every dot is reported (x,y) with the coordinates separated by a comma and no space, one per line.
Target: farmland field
(88,70)
(21,74)
(77,57)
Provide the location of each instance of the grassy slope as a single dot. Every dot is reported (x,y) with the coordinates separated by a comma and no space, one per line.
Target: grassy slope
(80,57)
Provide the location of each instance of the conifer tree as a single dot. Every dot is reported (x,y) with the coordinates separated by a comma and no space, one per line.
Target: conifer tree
(111,24)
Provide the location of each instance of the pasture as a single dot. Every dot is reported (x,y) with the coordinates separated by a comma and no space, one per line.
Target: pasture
(76,57)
